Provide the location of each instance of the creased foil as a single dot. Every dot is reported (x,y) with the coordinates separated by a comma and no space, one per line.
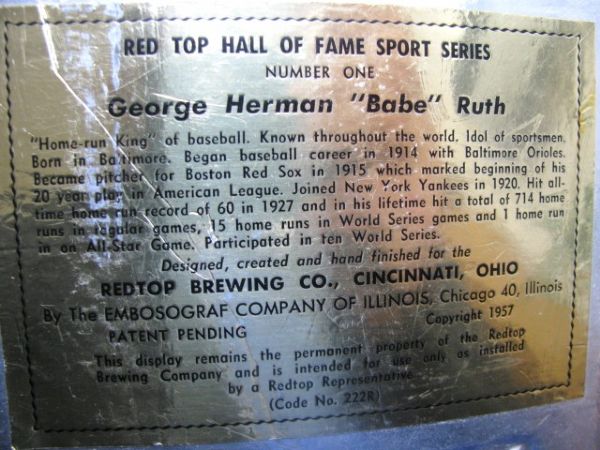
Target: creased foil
(227,224)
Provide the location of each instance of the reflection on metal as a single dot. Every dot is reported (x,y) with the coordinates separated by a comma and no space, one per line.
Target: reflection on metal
(220,225)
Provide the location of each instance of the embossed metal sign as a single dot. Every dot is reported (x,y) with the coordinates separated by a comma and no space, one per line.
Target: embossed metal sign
(221,224)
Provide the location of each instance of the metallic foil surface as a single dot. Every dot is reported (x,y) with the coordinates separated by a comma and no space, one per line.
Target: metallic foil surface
(232,223)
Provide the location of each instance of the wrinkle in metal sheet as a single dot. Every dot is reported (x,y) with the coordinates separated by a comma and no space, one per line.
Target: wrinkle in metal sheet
(369,218)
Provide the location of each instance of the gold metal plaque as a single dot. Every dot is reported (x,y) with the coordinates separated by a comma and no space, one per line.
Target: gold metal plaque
(228,224)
